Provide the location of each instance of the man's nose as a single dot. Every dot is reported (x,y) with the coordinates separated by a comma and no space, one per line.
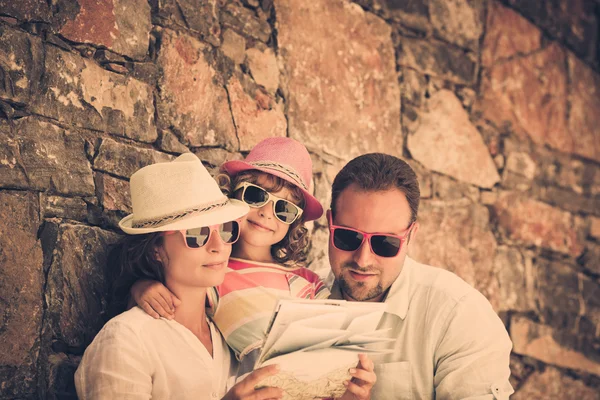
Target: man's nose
(363,255)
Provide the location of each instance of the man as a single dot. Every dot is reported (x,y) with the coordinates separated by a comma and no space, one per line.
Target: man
(450,344)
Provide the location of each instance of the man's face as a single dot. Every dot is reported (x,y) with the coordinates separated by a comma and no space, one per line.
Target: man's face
(362,275)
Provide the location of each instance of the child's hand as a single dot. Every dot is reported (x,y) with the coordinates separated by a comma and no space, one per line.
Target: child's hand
(359,387)
(245,388)
(154,298)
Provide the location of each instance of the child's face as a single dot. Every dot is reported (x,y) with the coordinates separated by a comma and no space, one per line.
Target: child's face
(201,267)
(260,228)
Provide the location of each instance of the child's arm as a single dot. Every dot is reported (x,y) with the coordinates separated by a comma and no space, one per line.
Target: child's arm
(364,378)
(154,298)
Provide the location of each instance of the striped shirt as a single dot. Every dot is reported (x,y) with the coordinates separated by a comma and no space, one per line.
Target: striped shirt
(246,299)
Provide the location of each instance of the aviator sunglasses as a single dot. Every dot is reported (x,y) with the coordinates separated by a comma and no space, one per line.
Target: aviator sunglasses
(229,232)
(256,197)
(381,244)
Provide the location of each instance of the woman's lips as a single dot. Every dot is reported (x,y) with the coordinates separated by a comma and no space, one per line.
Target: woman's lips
(216,265)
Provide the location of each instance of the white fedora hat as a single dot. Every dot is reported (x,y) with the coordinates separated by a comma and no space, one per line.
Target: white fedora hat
(177,195)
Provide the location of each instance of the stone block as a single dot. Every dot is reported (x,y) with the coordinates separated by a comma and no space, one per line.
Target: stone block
(584,115)
(531,222)
(38,155)
(449,190)
(565,171)
(544,343)
(27,10)
(234,46)
(413,87)
(21,64)
(21,286)
(437,59)
(193,101)
(567,199)
(77,91)
(508,34)
(519,171)
(61,376)
(590,259)
(530,94)
(113,193)
(459,22)
(215,157)
(256,115)
(448,143)
(573,22)
(123,26)
(167,141)
(201,17)
(457,237)
(237,17)
(124,159)
(64,207)
(263,67)
(340,78)
(552,384)
(413,14)
(595,227)
(566,298)
(77,286)
(514,272)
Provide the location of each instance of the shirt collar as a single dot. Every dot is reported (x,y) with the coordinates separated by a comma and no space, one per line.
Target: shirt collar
(398,297)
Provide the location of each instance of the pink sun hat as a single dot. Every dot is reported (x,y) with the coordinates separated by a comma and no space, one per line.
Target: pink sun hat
(287,159)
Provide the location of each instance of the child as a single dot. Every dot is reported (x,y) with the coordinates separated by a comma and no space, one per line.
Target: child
(266,264)
(180,233)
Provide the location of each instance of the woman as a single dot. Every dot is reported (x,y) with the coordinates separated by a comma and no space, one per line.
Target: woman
(180,233)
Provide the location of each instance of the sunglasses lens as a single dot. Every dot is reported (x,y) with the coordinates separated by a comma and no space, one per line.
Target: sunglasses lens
(385,246)
(347,240)
(229,231)
(286,211)
(255,196)
(197,237)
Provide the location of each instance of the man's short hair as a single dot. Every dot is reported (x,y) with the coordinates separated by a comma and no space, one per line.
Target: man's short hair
(377,172)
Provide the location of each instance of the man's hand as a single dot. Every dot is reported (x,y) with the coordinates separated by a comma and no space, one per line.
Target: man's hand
(244,390)
(363,380)
(154,298)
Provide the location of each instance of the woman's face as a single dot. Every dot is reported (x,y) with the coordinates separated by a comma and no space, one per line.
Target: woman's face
(260,227)
(201,267)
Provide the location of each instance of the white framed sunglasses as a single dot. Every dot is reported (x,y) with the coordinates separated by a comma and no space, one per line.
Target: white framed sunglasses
(256,197)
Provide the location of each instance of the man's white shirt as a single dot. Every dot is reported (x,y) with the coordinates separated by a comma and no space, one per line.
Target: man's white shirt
(450,344)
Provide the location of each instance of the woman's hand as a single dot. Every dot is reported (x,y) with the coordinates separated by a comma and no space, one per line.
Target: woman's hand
(244,390)
(363,380)
(154,298)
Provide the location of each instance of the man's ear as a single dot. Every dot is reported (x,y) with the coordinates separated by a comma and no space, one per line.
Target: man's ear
(413,232)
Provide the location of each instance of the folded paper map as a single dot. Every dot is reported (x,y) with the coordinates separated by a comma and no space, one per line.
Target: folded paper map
(316,342)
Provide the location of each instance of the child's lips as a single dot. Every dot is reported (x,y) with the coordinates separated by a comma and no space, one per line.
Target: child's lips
(259,226)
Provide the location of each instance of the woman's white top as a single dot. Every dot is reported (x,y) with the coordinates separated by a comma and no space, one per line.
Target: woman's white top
(135,356)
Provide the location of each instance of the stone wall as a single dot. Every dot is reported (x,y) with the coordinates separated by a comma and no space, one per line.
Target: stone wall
(496,104)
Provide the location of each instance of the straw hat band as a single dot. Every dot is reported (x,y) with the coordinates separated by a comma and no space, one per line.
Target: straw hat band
(170,218)
(281,168)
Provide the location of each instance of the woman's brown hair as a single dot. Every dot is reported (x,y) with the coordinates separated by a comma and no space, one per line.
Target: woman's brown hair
(293,248)
(132,258)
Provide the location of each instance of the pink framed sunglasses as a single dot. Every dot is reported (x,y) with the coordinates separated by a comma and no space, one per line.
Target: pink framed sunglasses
(229,232)
(381,244)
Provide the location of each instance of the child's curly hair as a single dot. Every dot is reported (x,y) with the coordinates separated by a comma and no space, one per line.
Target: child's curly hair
(293,248)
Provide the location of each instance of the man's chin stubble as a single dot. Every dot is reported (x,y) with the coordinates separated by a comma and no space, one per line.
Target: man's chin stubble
(347,290)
